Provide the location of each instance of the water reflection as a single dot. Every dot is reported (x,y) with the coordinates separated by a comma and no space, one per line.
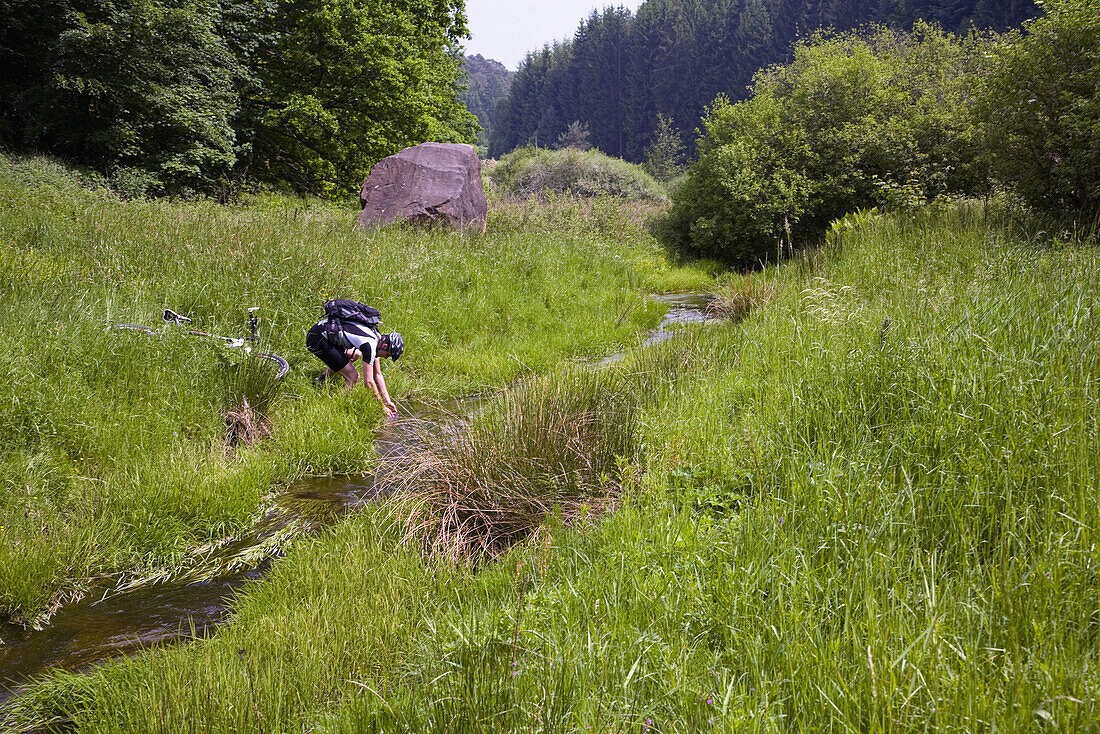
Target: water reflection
(96,629)
(683,308)
(109,622)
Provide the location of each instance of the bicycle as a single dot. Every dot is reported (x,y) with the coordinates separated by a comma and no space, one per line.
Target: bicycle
(245,342)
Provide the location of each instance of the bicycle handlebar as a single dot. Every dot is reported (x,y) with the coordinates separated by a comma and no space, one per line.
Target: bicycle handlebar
(170,315)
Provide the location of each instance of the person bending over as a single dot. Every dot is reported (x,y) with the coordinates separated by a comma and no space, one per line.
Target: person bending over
(340,348)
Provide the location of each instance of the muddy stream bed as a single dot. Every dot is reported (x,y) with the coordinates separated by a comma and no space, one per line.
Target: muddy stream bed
(114,620)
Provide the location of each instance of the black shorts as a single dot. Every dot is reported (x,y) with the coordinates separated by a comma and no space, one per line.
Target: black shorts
(321,347)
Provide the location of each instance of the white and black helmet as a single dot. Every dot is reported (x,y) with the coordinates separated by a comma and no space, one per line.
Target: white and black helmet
(394,343)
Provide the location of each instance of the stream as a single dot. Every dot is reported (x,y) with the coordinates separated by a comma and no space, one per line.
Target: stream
(115,620)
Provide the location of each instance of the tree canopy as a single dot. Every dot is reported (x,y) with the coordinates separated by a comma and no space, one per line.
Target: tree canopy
(1041,105)
(622,73)
(850,121)
(898,119)
(191,95)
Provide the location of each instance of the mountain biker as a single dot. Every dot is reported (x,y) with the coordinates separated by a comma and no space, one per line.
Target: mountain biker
(339,350)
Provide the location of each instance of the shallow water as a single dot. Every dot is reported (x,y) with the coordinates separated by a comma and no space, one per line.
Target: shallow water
(683,308)
(94,629)
(109,622)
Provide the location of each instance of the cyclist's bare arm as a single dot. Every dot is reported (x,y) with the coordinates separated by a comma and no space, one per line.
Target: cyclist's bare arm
(372,374)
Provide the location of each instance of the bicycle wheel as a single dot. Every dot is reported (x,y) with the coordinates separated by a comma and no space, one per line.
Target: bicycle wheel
(281,364)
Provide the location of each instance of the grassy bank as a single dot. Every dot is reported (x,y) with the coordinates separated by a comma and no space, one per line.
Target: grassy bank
(113,452)
(869,506)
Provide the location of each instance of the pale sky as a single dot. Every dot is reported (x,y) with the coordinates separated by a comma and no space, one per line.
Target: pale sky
(505,30)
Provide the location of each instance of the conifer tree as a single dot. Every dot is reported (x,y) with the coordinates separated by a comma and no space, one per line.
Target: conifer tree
(664,156)
(675,56)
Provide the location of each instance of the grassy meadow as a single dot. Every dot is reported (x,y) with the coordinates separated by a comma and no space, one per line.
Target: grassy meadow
(865,502)
(113,455)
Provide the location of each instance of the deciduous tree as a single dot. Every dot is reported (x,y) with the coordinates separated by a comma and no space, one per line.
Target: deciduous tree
(1041,108)
(349,82)
(850,117)
(142,89)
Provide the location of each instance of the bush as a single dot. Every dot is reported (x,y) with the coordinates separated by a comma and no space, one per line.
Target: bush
(534,172)
(1040,108)
(850,120)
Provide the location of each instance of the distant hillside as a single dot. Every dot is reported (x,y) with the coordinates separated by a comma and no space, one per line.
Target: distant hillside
(488,81)
(675,56)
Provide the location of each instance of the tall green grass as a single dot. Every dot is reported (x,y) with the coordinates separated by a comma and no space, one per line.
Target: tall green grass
(115,451)
(869,506)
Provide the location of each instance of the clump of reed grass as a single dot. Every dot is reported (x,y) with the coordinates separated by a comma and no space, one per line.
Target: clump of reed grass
(738,298)
(553,446)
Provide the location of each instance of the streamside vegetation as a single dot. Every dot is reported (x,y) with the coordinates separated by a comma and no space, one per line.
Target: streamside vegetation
(1041,109)
(865,504)
(897,120)
(120,450)
(851,122)
(550,447)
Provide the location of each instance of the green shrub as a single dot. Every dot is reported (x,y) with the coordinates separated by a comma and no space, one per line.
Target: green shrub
(850,120)
(1040,108)
(538,173)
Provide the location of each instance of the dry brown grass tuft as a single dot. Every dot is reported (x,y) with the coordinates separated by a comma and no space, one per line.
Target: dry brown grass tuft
(555,448)
(251,388)
(244,425)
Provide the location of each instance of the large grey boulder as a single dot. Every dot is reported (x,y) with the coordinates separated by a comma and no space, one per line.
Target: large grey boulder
(432,183)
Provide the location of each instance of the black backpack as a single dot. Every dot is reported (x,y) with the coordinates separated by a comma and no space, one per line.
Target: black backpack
(341,310)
